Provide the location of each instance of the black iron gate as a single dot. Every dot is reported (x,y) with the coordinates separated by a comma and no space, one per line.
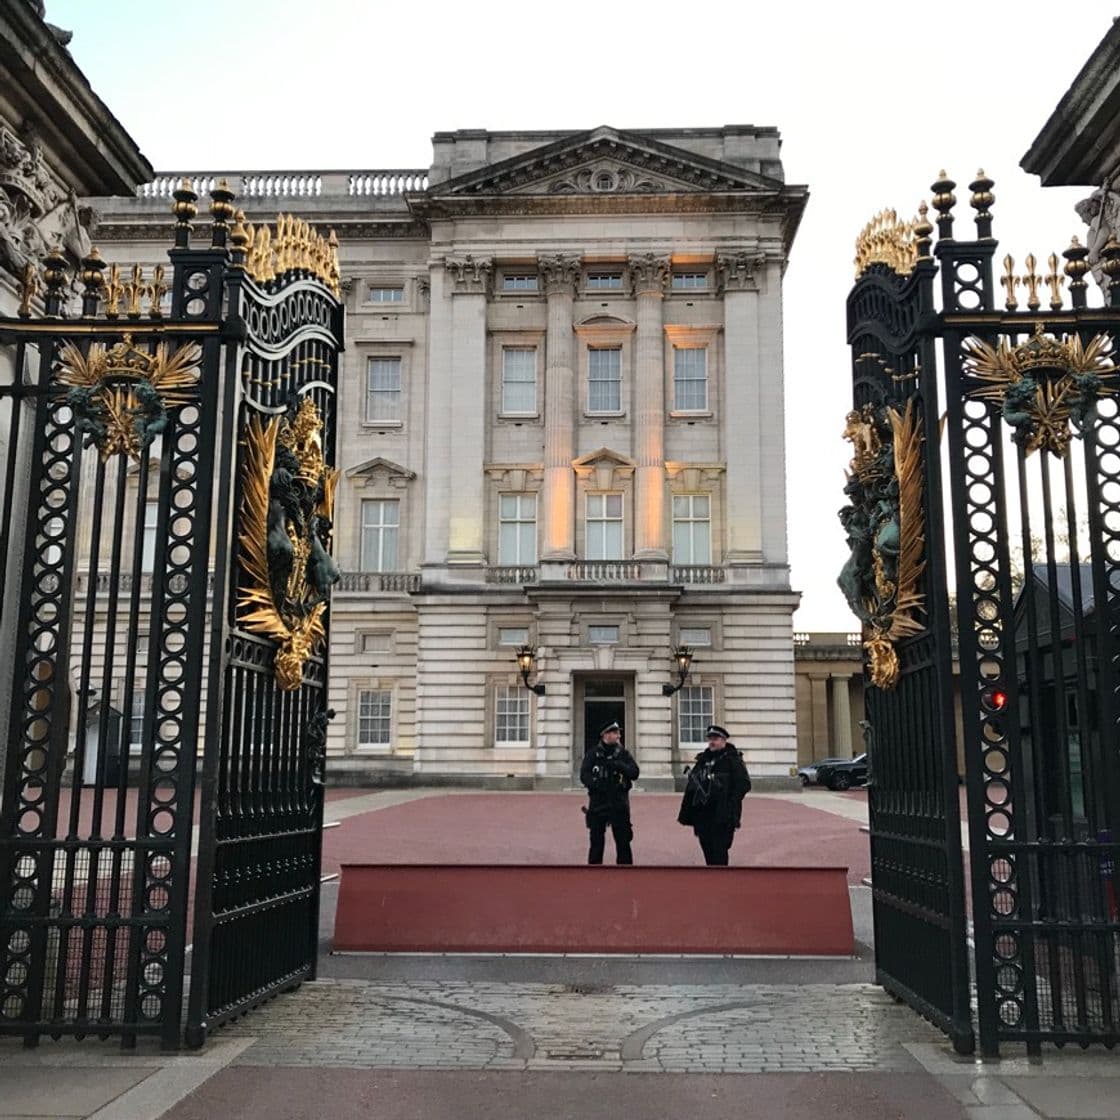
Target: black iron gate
(113,583)
(896,584)
(1032,430)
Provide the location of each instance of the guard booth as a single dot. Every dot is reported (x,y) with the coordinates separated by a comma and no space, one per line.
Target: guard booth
(1009,406)
(165,537)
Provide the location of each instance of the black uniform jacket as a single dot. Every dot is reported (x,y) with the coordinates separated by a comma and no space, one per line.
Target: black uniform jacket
(608,773)
(717,784)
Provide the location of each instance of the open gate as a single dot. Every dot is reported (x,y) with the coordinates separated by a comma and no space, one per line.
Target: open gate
(129,625)
(1032,426)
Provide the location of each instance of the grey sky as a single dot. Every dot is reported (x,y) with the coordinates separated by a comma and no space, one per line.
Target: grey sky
(253,84)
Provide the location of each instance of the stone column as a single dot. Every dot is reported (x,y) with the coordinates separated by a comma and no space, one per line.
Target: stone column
(818,685)
(740,420)
(771,415)
(649,274)
(470,277)
(841,715)
(437,418)
(558,493)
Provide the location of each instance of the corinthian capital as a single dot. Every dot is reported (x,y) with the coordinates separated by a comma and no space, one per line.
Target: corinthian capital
(560,272)
(649,273)
(469,275)
(736,271)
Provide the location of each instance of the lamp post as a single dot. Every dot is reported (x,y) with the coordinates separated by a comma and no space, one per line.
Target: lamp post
(526,657)
(682,657)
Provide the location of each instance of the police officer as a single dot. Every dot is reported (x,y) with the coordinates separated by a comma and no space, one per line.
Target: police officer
(608,771)
(713,797)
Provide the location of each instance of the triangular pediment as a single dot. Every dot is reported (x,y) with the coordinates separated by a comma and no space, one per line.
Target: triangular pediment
(604,457)
(605,161)
(371,466)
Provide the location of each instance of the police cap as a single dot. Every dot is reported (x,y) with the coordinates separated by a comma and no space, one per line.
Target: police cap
(715,729)
(612,726)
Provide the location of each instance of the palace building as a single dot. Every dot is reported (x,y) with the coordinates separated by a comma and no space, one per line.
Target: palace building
(561,427)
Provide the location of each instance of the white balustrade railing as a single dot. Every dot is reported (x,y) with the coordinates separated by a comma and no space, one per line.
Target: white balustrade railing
(292,184)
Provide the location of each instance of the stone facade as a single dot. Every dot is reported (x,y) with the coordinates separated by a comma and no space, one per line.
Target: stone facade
(561,425)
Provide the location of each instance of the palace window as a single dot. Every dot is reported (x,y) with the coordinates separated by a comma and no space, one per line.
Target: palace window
(375,717)
(602,635)
(136,721)
(695,711)
(381,518)
(517,528)
(689,281)
(511,716)
(692,529)
(148,545)
(693,636)
(604,527)
(391,294)
(513,636)
(519,282)
(519,380)
(604,281)
(383,390)
(690,379)
(604,379)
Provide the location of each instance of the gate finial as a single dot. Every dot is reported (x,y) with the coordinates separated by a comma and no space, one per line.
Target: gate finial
(184,208)
(1076,267)
(55,277)
(981,201)
(943,202)
(221,210)
(923,230)
(91,268)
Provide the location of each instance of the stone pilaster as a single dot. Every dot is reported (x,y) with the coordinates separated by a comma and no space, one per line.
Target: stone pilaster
(559,273)
(740,431)
(841,715)
(470,283)
(649,274)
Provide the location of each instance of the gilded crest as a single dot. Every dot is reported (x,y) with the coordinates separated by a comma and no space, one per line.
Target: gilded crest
(121,394)
(285,527)
(885,526)
(1047,387)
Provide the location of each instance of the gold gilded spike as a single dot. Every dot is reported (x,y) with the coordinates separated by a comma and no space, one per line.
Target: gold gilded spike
(114,292)
(155,292)
(1033,282)
(888,240)
(1054,280)
(135,290)
(1010,282)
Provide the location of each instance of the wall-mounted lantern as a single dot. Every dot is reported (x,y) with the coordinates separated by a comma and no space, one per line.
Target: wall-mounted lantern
(526,658)
(682,658)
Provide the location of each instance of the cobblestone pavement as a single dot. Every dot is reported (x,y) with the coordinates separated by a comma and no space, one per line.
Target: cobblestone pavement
(654,1028)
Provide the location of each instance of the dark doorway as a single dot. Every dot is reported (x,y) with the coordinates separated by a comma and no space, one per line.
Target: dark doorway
(604,700)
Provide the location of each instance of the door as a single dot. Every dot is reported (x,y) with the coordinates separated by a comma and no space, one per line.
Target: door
(603,700)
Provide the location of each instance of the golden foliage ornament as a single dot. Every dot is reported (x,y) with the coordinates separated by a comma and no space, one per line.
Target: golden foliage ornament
(285,526)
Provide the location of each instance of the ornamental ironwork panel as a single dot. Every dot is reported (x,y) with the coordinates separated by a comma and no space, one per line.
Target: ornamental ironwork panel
(110,419)
(894,582)
(257,908)
(1032,428)
(128,628)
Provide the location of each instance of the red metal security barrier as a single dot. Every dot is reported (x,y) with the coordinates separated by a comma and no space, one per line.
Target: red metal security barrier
(797,911)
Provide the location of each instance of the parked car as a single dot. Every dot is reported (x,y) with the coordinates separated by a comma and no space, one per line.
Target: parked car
(844,774)
(808,774)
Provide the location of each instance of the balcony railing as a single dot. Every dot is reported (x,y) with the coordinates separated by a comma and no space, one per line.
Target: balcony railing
(512,573)
(696,573)
(387,183)
(407,582)
(604,571)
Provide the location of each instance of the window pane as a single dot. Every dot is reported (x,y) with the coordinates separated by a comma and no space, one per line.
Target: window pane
(511,715)
(600,281)
(519,283)
(148,556)
(689,280)
(517,529)
(380,522)
(696,636)
(374,717)
(614,505)
(612,540)
(136,721)
(519,379)
(602,635)
(383,389)
(513,636)
(690,379)
(696,709)
(604,387)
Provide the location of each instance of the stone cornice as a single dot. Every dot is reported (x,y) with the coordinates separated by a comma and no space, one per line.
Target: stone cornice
(560,272)
(649,273)
(159,227)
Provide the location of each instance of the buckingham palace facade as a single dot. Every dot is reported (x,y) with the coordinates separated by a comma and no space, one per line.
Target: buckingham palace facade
(561,427)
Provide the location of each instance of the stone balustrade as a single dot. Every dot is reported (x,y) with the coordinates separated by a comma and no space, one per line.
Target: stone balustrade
(294,185)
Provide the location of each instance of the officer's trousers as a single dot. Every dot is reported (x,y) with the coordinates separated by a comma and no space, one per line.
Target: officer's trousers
(715,843)
(621,829)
